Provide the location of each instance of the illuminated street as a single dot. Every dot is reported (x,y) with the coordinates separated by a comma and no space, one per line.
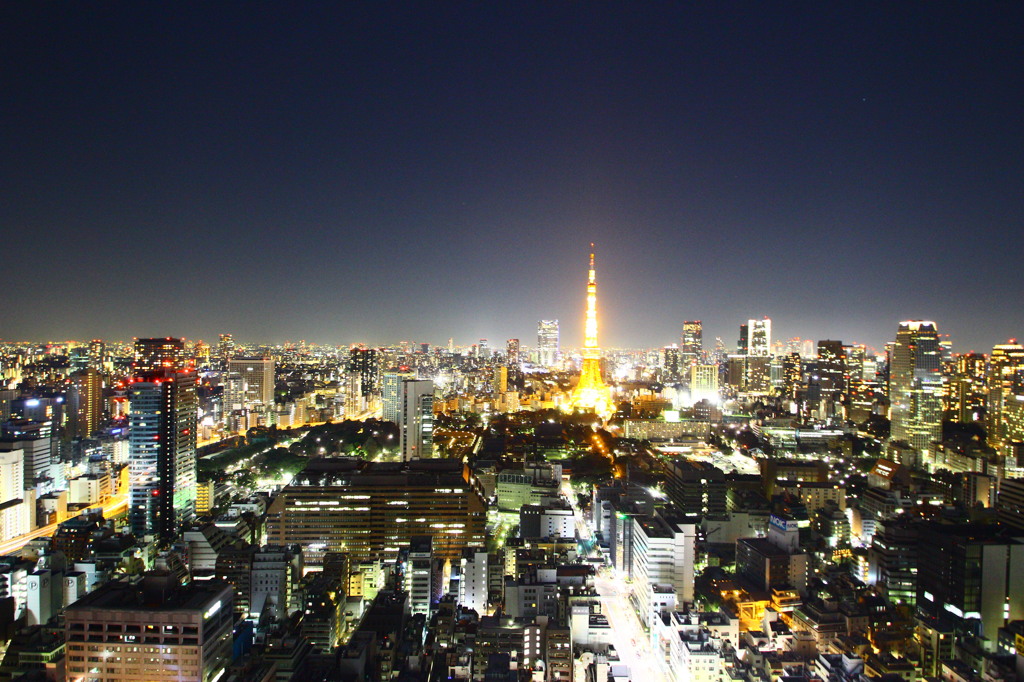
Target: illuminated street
(112,507)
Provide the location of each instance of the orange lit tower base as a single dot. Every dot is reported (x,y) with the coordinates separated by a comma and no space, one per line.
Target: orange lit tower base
(591,393)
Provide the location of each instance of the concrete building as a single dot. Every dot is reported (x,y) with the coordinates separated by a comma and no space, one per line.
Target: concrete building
(774,562)
(664,555)
(416,425)
(374,509)
(154,630)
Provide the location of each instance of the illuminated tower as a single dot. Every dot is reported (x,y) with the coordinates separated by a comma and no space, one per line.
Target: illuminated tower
(591,394)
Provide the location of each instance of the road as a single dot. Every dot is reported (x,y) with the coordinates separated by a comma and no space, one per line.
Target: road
(112,507)
(631,641)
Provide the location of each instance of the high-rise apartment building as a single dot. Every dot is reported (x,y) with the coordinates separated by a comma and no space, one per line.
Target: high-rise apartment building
(759,340)
(691,346)
(162,429)
(547,343)
(915,387)
(416,427)
(391,392)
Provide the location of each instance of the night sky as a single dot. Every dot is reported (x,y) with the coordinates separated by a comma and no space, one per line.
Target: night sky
(343,172)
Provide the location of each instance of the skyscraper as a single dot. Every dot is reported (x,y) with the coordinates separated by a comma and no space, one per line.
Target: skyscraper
(226,347)
(391,392)
(258,377)
(158,354)
(97,354)
(162,446)
(249,386)
(89,390)
(547,342)
(417,419)
(831,367)
(672,364)
(692,346)
(760,337)
(591,393)
(365,362)
(1005,418)
(512,352)
(915,387)
(967,390)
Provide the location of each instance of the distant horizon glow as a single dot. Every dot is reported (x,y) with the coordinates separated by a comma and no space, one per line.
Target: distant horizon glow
(373,172)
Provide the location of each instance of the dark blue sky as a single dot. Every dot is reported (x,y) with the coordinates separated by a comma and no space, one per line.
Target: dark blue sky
(380,171)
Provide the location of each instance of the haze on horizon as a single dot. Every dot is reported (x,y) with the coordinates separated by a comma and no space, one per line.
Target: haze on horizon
(379,172)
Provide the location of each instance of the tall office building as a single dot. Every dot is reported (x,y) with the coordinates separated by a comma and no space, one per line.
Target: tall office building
(162,425)
(391,392)
(1005,419)
(704,383)
(743,343)
(759,341)
(88,385)
(373,510)
(970,574)
(792,375)
(831,368)
(97,354)
(692,342)
(915,387)
(226,347)
(417,419)
(158,354)
(250,385)
(366,363)
(547,343)
(512,352)
(483,351)
(185,633)
(499,380)
(967,388)
(671,364)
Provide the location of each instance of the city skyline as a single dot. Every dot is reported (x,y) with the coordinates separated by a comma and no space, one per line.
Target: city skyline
(366,172)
